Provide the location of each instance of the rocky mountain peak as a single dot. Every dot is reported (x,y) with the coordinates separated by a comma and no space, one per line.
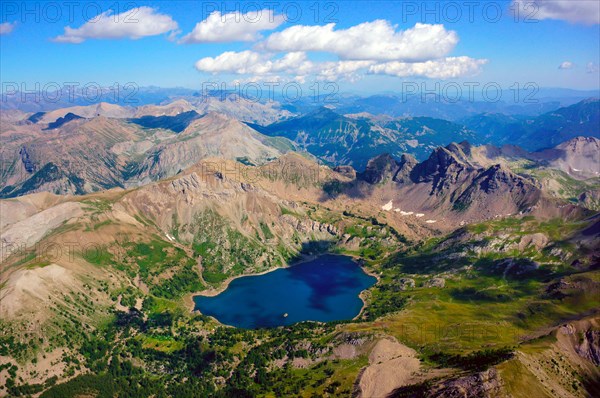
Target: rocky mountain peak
(407,164)
(579,157)
(577,143)
(443,163)
(496,189)
(112,110)
(380,168)
(461,150)
(491,179)
(62,120)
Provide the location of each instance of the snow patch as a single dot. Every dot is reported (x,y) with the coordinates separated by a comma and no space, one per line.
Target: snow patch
(420,215)
(388,206)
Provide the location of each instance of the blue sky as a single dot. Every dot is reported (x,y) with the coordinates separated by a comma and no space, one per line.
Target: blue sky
(491,49)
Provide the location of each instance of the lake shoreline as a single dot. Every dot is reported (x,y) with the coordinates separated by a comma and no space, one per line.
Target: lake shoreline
(211,292)
(362,294)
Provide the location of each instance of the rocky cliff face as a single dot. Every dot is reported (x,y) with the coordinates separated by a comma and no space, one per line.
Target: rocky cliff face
(451,180)
(442,170)
(485,384)
(589,346)
(383,167)
(497,188)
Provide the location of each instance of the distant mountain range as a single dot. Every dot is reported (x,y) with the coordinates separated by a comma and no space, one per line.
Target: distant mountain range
(354,139)
(544,131)
(85,149)
(81,154)
(450,106)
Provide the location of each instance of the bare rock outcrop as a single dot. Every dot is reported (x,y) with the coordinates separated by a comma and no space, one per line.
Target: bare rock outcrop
(486,384)
(406,283)
(380,168)
(589,347)
(537,240)
(391,365)
(436,282)
(308,226)
(29,231)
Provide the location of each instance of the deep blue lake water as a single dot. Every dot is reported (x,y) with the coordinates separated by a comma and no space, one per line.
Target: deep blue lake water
(324,289)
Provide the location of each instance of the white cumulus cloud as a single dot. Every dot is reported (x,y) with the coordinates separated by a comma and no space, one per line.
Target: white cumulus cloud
(235,26)
(244,62)
(566,65)
(299,66)
(445,68)
(7,27)
(377,40)
(254,63)
(574,11)
(266,66)
(133,24)
(368,48)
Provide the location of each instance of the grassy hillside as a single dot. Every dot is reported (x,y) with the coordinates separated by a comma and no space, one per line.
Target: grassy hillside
(114,319)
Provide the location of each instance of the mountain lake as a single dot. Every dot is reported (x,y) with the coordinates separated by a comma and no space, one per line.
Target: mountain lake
(323,289)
